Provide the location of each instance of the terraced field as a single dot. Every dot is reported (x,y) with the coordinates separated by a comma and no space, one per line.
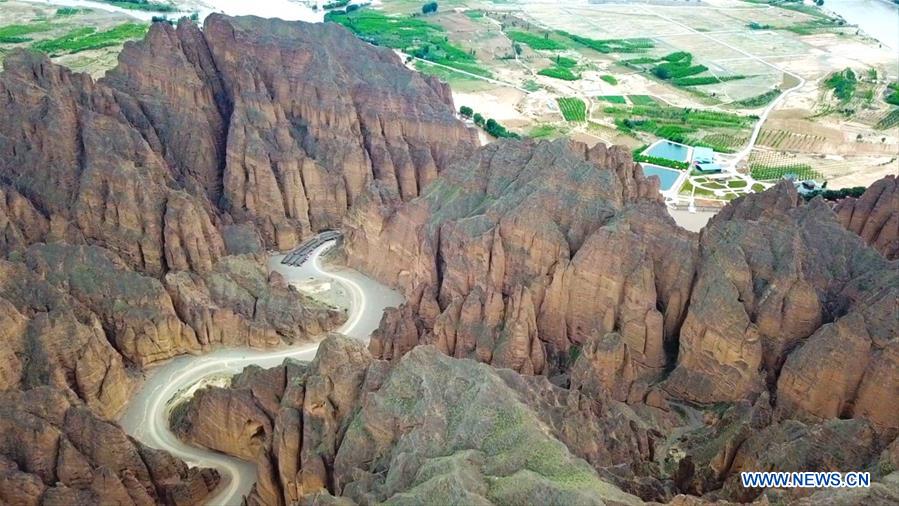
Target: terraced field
(790,141)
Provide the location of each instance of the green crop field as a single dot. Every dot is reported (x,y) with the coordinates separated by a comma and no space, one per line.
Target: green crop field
(14,34)
(560,73)
(721,131)
(573,109)
(142,5)
(642,100)
(83,39)
(536,41)
(609,79)
(411,35)
(770,172)
(606,46)
(612,99)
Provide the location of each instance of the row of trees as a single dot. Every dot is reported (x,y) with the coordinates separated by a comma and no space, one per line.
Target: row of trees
(491,126)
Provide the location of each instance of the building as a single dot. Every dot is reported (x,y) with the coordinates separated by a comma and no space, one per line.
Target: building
(703,155)
(704,160)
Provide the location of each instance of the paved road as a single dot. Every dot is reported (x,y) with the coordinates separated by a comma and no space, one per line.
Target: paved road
(146,416)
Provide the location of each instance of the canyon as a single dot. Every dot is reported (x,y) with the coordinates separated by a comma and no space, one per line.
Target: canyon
(563,340)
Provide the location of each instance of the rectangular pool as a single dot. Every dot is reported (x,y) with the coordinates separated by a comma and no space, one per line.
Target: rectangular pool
(667,176)
(669,150)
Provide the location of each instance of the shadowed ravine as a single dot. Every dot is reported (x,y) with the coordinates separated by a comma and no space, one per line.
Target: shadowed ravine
(146,417)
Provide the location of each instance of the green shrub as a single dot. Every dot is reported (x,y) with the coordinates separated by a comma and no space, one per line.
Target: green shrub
(843,84)
(758,100)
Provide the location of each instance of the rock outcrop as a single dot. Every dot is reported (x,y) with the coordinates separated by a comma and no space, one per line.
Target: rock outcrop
(522,251)
(350,426)
(788,301)
(58,452)
(874,216)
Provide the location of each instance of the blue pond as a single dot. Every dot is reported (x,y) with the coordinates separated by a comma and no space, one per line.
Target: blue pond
(666,176)
(669,150)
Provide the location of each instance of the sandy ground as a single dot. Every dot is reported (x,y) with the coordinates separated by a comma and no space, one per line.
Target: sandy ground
(691,221)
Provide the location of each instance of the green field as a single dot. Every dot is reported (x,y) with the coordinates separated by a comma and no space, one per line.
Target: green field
(83,39)
(721,131)
(642,100)
(771,172)
(14,34)
(542,42)
(606,46)
(410,35)
(609,79)
(573,109)
(612,99)
(142,5)
(87,38)
(559,73)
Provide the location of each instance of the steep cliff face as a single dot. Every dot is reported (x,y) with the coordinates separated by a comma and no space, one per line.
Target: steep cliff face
(524,250)
(875,216)
(284,124)
(786,300)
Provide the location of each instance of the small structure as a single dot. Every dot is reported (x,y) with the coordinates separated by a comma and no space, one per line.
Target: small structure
(707,168)
(805,187)
(702,155)
(704,160)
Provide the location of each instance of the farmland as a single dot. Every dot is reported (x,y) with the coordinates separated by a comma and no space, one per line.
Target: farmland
(573,109)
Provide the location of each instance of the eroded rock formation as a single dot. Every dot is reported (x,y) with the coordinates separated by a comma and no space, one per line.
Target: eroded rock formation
(522,251)
(58,452)
(351,426)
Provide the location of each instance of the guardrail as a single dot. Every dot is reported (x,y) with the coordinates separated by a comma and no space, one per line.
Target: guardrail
(301,253)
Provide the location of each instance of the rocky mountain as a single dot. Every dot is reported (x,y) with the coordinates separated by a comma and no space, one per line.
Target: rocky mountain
(136,211)
(524,250)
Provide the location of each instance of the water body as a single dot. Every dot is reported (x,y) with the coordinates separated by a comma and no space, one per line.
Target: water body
(669,150)
(667,176)
(877,18)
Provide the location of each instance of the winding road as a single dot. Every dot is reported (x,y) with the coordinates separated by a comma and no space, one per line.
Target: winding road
(146,415)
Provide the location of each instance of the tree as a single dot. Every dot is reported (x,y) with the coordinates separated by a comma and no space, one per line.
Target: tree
(429,8)
(466,111)
(478,119)
(819,3)
(517,48)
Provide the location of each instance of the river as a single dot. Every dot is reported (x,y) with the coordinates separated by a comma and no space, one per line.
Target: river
(877,18)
